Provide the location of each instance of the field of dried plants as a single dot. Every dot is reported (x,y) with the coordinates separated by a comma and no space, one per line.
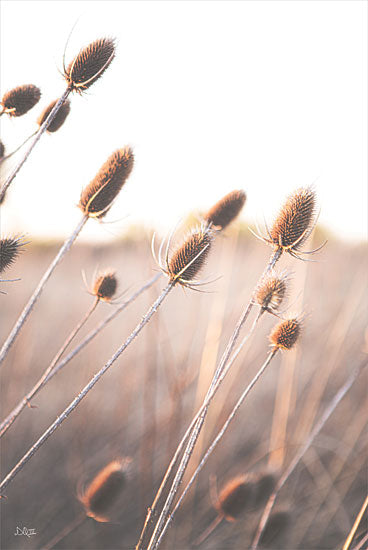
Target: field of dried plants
(254,381)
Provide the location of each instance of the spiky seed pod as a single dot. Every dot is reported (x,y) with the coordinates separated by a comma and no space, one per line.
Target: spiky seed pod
(275,528)
(225,210)
(59,118)
(10,248)
(187,261)
(263,485)
(285,335)
(271,292)
(97,198)
(2,149)
(104,490)
(235,498)
(295,221)
(105,286)
(90,64)
(20,100)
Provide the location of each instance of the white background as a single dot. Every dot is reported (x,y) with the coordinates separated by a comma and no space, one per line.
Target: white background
(212,96)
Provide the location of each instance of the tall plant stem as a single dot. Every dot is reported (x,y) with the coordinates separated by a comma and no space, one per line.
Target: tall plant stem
(47,375)
(64,415)
(318,427)
(38,135)
(28,308)
(157,537)
(198,421)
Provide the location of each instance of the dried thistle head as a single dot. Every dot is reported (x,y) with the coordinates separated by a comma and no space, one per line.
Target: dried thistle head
(97,198)
(285,335)
(58,119)
(2,150)
(225,210)
(104,490)
(188,259)
(20,100)
(105,286)
(275,528)
(271,292)
(10,248)
(235,498)
(90,64)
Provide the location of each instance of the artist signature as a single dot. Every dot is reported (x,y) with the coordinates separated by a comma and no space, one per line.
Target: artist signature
(24,531)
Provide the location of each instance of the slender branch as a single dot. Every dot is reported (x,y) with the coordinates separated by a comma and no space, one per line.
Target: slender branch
(156,540)
(200,419)
(47,375)
(356,525)
(65,532)
(38,135)
(28,308)
(64,415)
(318,427)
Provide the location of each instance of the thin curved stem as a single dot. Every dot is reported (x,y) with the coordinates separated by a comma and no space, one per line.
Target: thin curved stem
(33,299)
(65,532)
(318,427)
(47,375)
(6,157)
(64,415)
(211,448)
(38,135)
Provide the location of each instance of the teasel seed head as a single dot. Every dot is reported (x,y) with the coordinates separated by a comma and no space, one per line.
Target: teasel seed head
(59,118)
(235,498)
(263,486)
(104,490)
(271,292)
(105,286)
(20,100)
(295,221)
(2,150)
(90,64)
(189,258)
(97,198)
(10,248)
(275,527)
(225,210)
(285,335)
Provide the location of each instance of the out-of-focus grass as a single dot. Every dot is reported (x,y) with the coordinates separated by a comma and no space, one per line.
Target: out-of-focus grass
(142,406)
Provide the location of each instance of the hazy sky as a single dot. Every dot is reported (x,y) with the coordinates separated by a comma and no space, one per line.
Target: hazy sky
(212,96)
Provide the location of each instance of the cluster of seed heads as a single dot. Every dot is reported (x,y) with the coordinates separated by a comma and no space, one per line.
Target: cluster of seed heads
(105,286)
(104,490)
(20,100)
(90,64)
(97,198)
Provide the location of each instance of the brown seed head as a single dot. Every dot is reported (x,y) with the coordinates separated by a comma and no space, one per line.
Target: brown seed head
(97,198)
(187,261)
(225,210)
(90,64)
(102,493)
(9,251)
(105,286)
(271,292)
(263,485)
(59,118)
(295,221)
(20,100)
(275,527)
(235,498)
(285,335)
(2,149)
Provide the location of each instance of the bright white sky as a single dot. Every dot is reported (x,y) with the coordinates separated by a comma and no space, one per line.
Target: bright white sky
(266,96)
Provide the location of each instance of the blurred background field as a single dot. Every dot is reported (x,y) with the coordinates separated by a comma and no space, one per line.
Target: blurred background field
(144,403)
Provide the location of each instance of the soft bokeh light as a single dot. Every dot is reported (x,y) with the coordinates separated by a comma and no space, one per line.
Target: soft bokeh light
(213,96)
